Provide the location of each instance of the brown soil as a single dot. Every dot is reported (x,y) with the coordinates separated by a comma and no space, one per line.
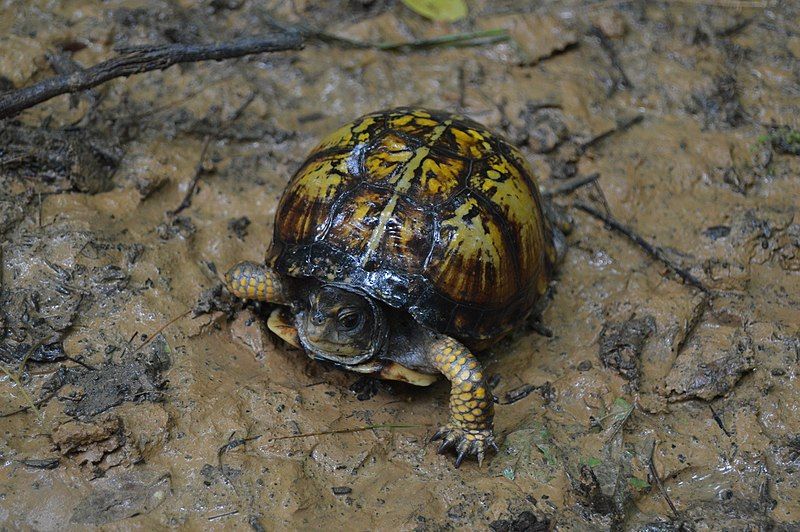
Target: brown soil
(648,389)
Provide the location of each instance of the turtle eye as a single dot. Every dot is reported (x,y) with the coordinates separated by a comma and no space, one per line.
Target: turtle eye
(350,320)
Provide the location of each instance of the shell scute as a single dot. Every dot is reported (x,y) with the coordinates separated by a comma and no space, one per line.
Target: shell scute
(471,240)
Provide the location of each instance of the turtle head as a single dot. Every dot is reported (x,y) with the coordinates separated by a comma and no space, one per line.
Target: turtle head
(342,326)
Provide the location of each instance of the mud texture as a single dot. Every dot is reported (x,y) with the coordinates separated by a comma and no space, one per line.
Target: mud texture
(136,394)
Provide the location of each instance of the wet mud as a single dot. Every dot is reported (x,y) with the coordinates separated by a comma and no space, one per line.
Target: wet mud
(137,394)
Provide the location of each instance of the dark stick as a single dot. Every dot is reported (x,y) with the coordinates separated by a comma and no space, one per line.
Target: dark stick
(568,185)
(80,363)
(568,47)
(605,44)
(158,331)
(232,444)
(719,421)
(226,514)
(654,251)
(655,476)
(141,59)
(187,199)
(621,126)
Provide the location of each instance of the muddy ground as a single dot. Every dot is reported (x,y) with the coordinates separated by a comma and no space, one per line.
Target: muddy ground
(137,395)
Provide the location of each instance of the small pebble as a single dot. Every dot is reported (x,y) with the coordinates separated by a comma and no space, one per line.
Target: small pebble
(611,23)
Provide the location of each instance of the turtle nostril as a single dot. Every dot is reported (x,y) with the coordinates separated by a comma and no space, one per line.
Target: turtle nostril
(317,318)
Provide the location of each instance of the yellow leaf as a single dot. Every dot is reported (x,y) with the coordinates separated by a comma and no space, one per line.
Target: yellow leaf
(444,10)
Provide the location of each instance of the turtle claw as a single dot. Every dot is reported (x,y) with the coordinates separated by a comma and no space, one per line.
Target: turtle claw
(460,458)
(441,433)
(465,442)
(444,446)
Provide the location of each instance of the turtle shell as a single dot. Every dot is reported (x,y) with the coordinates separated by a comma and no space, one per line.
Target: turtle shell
(426,211)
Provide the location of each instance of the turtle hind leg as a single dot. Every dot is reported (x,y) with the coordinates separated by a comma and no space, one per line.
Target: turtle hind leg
(248,280)
(469,430)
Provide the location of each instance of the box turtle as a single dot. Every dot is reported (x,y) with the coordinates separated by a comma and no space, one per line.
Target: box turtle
(407,240)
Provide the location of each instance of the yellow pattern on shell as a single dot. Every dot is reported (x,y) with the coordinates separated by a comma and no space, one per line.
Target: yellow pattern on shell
(402,183)
(420,202)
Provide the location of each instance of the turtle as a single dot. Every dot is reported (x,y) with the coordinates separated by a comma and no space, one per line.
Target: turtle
(407,241)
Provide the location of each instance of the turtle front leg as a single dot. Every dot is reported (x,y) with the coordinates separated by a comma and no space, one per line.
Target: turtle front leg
(469,429)
(248,280)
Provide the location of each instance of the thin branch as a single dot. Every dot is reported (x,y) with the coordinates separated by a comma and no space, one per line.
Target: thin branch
(232,444)
(605,43)
(226,514)
(718,419)
(652,250)
(654,474)
(160,330)
(80,363)
(621,126)
(23,391)
(187,199)
(568,185)
(140,59)
(343,431)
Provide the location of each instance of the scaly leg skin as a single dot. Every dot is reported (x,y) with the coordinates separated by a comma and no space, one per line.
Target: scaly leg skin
(248,280)
(469,430)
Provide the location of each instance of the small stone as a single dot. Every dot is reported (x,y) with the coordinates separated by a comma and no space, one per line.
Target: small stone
(611,23)
(716,232)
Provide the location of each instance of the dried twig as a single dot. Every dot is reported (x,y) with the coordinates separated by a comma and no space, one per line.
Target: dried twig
(23,391)
(187,199)
(654,474)
(80,363)
(233,444)
(226,514)
(568,185)
(652,250)
(342,431)
(718,419)
(608,48)
(33,405)
(160,330)
(622,125)
(140,59)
